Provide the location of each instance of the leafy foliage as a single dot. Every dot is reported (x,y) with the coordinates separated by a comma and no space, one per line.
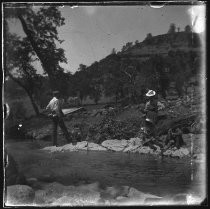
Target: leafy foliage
(40,28)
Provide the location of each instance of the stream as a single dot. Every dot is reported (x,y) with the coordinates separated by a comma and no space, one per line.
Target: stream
(147,173)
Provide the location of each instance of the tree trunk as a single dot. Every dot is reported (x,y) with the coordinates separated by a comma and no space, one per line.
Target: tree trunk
(36,109)
(40,55)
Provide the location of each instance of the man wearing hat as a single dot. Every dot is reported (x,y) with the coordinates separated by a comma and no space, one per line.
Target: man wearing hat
(151,108)
(57,115)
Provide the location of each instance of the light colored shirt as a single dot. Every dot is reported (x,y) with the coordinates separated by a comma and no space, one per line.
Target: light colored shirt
(55,106)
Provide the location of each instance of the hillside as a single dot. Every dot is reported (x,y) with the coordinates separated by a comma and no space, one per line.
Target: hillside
(162,44)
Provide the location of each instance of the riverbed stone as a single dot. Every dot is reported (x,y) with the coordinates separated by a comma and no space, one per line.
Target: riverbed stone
(131,148)
(114,144)
(20,195)
(96,147)
(69,147)
(81,145)
(135,141)
(78,199)
(141,196)
(180,152)
(144,150)
(52,149)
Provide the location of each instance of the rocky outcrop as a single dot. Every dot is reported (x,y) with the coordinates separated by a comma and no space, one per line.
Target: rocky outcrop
(19,195)
(134,145)
(95,147)
(84,145)
(115,145)
(177,152)
(56,194)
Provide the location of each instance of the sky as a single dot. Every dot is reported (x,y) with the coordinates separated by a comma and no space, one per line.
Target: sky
(91,32)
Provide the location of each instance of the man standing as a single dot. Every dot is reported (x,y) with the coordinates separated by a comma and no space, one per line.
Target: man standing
(57,115)
(151,108)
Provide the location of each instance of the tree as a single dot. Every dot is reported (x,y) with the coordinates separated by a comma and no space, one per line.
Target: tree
(172,28)
(113,78)
(82,81)
(188,29)
(129,69)
(40,28)
(127,46)
(149,36)
(113,51)
(95,90)
(18,60)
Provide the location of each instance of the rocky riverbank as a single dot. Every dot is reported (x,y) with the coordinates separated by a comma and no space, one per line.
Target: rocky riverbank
(56,194)
(135,145)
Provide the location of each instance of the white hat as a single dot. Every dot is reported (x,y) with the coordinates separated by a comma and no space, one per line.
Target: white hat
(150,93)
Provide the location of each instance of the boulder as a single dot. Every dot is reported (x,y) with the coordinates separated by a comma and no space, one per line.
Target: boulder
(78,199)
(135,141)
(114,192)
(115,145)
(131,148)
(144,150)
(81,145)
(40,197)
(19,195)
(60,195)
(94,146)
(69,147)
(53,149)
(134,193)
(180,152)
(167,152)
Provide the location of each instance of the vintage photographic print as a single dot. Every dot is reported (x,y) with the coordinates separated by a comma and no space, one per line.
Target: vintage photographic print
(104,104)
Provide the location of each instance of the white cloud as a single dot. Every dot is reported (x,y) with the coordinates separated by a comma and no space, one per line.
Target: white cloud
(198,18)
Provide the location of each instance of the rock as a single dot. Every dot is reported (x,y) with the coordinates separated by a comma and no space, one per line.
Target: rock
(60,195)
(78,199)
(128,201)
(69,147)
(135,141)
(115,145)
(180,152)
(120,198)
(81,145)
(53,149)
(96,147)
(40,197)
(144,150)
(131,148)
(19,195)
(114,191)
(180,199)
(134,193)
(167,152)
